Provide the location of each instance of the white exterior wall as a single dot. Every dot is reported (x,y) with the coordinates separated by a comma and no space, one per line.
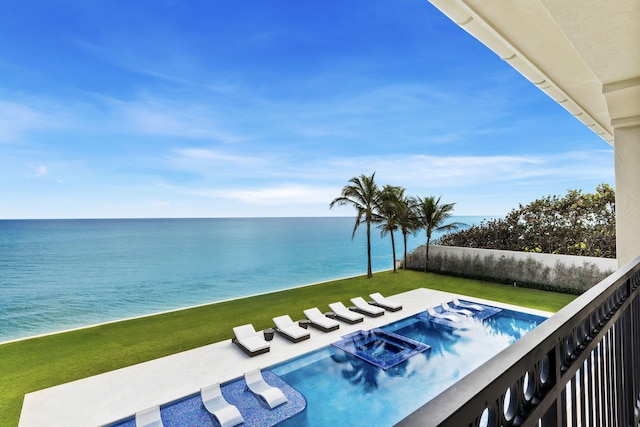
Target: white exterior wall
(627,160)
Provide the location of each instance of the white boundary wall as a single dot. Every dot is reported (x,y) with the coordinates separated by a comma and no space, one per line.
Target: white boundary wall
(571,273)
(549,260)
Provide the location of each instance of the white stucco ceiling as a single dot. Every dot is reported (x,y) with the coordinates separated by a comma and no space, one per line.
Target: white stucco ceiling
(585,54)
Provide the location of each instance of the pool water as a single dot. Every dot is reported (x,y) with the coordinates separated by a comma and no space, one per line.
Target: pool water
(380,348)
(342,389)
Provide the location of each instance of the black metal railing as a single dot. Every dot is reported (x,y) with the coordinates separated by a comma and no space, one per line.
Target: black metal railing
(581,367)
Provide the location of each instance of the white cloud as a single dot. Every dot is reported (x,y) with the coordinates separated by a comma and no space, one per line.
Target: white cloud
(155,116)
(460,171)
(44,172)
(19,118)
(38,171)
(285,194)
(160,203)
(212,157)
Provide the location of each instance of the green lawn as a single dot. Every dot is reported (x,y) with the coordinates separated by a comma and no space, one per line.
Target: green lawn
(34,364)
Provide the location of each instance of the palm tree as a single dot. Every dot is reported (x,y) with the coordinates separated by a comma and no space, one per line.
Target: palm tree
(431,216)
(390,205)
(362,194)
(408,221)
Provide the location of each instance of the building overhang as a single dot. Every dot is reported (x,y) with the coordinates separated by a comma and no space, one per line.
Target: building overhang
(584,54)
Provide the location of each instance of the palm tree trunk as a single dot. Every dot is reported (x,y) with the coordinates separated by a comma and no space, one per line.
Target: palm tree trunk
(426,256)
(404,263)
(369,273)
(393,248)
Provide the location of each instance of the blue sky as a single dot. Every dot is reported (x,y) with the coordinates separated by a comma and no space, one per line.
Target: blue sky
(216,108)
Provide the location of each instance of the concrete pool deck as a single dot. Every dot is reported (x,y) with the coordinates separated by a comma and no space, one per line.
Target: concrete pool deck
(112,396)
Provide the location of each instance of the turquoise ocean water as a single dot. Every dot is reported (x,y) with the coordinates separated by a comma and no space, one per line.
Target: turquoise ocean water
(61,274)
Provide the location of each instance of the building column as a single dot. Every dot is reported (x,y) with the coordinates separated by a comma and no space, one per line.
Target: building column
(627,163)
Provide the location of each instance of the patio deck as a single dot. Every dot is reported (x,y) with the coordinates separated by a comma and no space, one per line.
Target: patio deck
(106,398)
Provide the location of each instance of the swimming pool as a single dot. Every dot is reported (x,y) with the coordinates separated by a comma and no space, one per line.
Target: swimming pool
(342,389)
(335,387)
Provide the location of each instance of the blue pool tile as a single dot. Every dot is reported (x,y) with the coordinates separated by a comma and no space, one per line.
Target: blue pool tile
(380,348)
(129,422)
(255,411)
(190,412)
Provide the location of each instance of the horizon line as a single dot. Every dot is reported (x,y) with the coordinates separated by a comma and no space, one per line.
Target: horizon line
(203,217)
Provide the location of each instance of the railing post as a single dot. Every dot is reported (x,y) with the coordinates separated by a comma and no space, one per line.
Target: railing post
(635,334)
(631,361)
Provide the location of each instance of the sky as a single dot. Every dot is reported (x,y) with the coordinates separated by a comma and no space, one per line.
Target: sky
(252,108)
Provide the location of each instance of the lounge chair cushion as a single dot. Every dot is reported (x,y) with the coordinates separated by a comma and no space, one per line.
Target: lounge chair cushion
(366,308)
(248,339)
(321,321)
(290,330)
(344,313)
(385,302)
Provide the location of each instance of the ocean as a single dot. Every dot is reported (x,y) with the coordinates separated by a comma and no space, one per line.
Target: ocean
(62,274)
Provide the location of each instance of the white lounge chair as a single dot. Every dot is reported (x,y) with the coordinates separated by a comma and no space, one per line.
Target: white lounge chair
(385,303)
(446,307)
(149,417)
(451,317)
(290,330)
(470,306)
(215,403)
(343,313)
(249,341)
(320,321)
(365,308)
(273,396)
